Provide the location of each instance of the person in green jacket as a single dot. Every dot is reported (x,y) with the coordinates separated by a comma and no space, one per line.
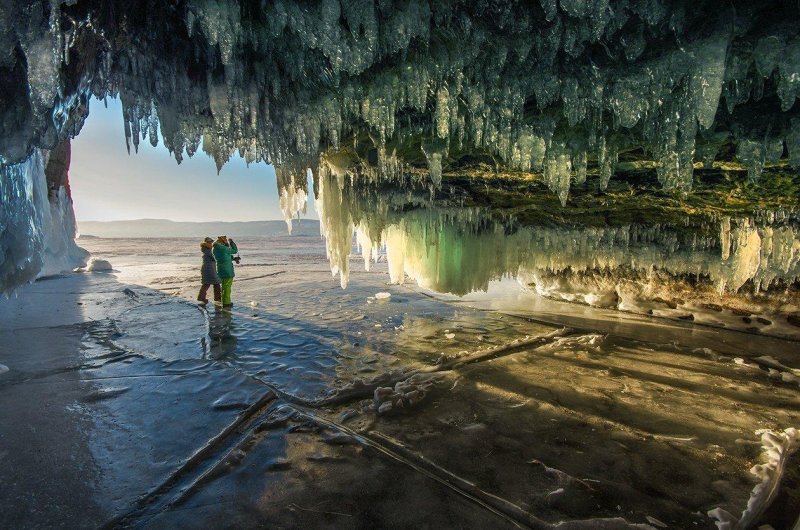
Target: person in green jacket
(224,250)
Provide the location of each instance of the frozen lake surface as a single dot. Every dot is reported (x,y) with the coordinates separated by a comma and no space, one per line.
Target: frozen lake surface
(308,405)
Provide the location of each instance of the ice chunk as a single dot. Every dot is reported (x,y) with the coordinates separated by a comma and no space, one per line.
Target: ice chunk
(777,447)
(383,296)
(655,522)
(98,265)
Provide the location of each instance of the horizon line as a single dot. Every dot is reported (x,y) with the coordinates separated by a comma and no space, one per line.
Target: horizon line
(198,222)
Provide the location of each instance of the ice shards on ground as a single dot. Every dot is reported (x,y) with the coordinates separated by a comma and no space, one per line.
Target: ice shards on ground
(405,394)
(777,447)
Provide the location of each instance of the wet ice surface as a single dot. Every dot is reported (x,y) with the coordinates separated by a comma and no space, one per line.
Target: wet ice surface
(273,419)
(295,328)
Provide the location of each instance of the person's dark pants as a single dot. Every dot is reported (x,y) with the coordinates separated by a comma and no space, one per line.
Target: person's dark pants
(204,291)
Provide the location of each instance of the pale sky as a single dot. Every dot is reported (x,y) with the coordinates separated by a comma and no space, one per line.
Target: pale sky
(107,184)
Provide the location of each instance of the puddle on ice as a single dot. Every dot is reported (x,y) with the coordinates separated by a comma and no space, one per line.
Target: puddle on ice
(636,418)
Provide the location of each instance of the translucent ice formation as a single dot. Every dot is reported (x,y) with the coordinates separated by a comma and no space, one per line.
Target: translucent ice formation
(456,249)
(559,91)
(37,225)
(546,89)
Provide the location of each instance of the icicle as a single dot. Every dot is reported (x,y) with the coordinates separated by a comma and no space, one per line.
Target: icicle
(725,237)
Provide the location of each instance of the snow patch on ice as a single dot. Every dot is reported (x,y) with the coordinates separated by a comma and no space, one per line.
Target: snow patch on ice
(3,368)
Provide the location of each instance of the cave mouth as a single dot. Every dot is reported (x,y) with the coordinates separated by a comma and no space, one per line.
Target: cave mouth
(582,148)
(595,205)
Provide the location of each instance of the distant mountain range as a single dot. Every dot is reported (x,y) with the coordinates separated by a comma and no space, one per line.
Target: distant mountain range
(167,228)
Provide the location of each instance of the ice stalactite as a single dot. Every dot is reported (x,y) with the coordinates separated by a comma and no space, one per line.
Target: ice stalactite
(433,83)
(293,196)
(557,172)
(725,237)
(457,249)
(336,224)
(559,91)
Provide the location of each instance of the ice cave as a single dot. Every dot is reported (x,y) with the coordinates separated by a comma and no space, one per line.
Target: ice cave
(565,245)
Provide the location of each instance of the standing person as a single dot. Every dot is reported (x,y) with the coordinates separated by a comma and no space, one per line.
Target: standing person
(224,249)
(208,273)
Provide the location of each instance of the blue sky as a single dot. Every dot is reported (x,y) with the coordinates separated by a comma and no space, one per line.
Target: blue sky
(108,184)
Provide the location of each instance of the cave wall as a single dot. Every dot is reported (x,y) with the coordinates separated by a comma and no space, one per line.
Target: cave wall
(37,222)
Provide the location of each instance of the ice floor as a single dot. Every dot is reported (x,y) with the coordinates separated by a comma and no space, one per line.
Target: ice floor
(124,404)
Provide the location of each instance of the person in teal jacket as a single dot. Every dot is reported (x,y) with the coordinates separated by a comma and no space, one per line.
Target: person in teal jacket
(224,250)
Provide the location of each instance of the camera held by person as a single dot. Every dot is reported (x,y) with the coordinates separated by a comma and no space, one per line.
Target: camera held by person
(236,258)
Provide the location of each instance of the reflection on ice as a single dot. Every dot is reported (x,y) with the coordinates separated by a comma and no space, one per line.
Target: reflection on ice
(223,340)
